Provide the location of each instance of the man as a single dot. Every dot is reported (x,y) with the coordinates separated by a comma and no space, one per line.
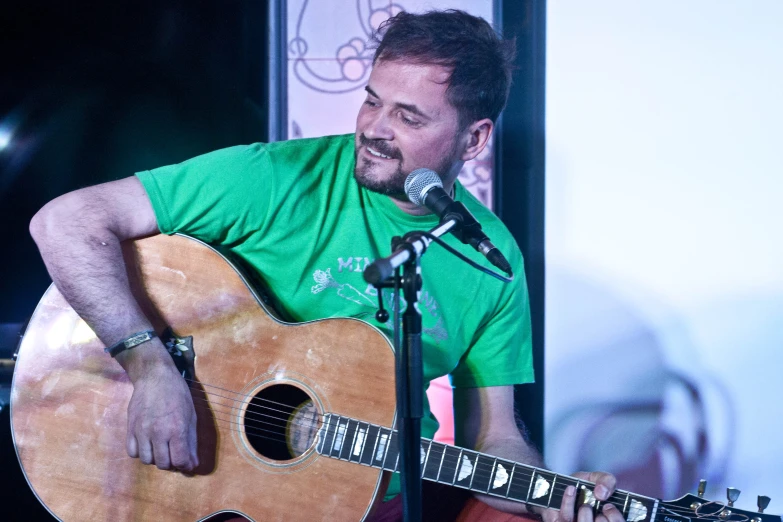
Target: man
(309,215)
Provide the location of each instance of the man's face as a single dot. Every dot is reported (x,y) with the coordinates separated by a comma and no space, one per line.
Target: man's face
(406,123)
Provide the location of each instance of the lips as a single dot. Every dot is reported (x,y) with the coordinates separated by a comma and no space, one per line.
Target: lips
(379,149)
(376,153)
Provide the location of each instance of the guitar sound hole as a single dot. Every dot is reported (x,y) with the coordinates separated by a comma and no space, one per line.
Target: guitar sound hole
(281,422)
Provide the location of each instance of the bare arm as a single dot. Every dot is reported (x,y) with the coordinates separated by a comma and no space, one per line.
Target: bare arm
(484,420)
(79,236)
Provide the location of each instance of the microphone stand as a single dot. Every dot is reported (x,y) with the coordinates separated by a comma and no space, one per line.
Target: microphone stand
(409,374)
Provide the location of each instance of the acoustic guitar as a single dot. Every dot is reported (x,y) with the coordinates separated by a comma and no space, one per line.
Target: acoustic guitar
(294,420)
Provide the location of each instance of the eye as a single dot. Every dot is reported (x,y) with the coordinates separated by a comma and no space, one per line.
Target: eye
(370,103)
(409,122)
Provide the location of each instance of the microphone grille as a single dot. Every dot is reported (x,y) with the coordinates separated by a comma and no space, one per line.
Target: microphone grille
(419,182)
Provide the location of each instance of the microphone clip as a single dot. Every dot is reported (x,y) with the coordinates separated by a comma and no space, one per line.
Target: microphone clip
(467,228)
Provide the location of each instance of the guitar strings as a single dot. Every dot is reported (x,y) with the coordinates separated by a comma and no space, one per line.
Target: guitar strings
(448,460)
(616,498)
(483,474)
(483,469)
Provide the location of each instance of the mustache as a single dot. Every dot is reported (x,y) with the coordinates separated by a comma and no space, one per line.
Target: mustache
(381,146)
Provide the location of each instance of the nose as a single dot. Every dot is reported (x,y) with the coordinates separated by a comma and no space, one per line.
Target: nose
(378,126)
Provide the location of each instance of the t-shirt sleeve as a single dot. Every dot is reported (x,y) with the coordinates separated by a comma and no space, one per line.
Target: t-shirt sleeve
(218,197)
(501,353)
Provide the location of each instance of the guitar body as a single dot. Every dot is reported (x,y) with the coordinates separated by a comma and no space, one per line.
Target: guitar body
(69,401)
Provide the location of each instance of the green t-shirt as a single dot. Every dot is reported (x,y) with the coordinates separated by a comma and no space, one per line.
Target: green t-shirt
(294,212)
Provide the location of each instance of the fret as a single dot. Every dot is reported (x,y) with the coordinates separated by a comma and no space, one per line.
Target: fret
(492,472)
(386,442)
(440,466)
(339,438)
(465,469)
(520,484)
(586,496)
(356,431)
(456,467)
(582,494)
(482,472)
(625,505)
(499,477)
(434,462)
(394,449)
(363,435)
(348,435)
(654,512)
(511,479)
(530,487)
(425,457)
(551,492)
(541,487)
(367,458)
(326,432)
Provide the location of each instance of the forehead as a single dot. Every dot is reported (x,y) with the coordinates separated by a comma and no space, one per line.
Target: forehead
(406,83)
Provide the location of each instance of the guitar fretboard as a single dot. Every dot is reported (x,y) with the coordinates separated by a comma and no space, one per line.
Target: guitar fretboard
(370,445)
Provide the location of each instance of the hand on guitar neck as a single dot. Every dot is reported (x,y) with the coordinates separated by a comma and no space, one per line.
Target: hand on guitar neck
(570,511)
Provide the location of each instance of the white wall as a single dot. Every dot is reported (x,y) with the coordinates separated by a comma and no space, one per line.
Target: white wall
(664,243)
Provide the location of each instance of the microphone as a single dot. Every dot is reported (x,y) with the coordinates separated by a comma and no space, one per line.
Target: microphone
(425,188)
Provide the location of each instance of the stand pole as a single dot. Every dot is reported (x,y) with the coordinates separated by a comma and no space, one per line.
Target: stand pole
(410,394)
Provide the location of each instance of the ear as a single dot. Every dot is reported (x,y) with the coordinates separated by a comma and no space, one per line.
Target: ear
(478,134)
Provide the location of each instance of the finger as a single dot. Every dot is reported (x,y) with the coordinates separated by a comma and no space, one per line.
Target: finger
(193,444)
(567,509)
(162,456)
(132,446)
(585,513)
(145,450)
(180,455)
(605,484)
(612,514)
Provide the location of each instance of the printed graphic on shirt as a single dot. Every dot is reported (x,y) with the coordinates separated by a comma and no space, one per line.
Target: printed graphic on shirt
(349,268)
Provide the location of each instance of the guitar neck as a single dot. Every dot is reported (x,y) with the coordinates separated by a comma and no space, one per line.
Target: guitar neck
(370,445)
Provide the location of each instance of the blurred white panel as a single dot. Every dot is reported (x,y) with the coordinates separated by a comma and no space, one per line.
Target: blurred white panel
(318,29)
(482,8)
(664,258)
(314,109)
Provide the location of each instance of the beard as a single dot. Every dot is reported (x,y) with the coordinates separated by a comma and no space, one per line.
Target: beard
(368,173)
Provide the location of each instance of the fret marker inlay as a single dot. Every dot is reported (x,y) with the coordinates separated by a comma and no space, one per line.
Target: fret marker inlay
(589,497)
(501,477)
(541,489)
(381,446)
(359,443)
(338,439)
(465,469)
(637,511)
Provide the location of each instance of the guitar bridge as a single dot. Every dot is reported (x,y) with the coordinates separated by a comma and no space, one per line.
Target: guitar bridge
(181,351)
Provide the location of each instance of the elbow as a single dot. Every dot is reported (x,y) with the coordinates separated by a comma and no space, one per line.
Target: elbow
(41,224)
(54,218)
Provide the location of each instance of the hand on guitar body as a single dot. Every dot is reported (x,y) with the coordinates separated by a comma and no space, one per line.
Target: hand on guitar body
(161,416)
(79,236)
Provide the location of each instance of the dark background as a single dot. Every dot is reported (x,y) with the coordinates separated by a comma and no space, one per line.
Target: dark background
(93,92)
